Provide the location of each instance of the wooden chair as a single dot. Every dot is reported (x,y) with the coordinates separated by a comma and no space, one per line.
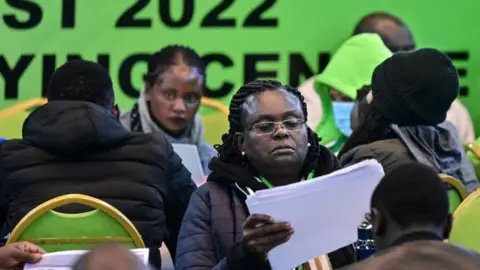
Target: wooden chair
(458,194)
(55,231)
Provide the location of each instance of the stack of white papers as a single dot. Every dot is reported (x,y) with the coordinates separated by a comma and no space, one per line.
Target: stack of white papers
(324,212)
(64,260)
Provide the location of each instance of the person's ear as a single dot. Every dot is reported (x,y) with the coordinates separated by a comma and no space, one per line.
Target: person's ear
(116,111)
(239,139)
(448,226)
(378,222)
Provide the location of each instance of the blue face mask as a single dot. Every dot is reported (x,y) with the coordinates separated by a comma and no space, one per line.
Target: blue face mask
(341,111)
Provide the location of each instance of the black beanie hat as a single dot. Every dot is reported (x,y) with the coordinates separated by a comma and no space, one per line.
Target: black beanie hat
(415,88)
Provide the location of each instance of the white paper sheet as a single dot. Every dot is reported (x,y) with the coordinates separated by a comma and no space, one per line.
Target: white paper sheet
(191,160)
(64,260)
(324,212)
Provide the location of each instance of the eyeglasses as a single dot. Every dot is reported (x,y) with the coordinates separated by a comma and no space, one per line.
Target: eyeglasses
(264,128)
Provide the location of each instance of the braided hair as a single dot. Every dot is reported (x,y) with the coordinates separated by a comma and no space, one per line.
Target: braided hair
(228,152)
(170,56)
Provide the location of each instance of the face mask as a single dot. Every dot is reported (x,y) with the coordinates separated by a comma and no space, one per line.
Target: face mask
(341,111)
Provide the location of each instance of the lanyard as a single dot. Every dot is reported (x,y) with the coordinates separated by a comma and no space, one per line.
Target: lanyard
(269,185)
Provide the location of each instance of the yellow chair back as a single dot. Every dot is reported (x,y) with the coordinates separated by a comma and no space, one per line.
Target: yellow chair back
(215,123)
(466,221)
(55,231)
(458,194)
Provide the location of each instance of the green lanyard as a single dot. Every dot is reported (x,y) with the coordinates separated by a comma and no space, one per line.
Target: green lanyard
(269,185)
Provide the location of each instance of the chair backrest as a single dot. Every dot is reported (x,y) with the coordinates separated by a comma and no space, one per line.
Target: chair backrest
(55,231)
(12,118)
(457,194)
(215,120)
(473,154)
(22,107)
(466,223)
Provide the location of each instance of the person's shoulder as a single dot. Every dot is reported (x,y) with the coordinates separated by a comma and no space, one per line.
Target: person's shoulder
(379,150)
(155,139)
(153,148)
(210,187)
(211,192)
(14,144)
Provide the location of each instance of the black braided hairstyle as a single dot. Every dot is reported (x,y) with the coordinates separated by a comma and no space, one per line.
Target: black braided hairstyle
(228,152)
(173,55)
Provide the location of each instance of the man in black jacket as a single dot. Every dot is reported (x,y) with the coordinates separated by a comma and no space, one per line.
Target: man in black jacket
(75,144)
(410,220)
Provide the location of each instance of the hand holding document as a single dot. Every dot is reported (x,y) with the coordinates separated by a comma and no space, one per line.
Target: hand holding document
(324,212)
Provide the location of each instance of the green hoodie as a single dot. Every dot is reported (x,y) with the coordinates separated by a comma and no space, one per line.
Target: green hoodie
(350,68)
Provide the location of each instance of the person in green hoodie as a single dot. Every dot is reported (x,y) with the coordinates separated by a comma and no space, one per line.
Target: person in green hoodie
(335,89)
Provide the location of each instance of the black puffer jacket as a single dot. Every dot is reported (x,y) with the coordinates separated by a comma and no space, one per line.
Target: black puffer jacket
(79,147)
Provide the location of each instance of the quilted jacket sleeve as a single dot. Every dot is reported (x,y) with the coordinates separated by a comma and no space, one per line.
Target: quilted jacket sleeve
(196,247)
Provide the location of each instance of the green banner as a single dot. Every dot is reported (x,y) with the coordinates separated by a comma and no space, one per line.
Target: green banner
(239,40)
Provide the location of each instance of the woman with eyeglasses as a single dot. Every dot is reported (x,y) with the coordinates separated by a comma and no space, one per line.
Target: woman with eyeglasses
(170,101)
(268,144)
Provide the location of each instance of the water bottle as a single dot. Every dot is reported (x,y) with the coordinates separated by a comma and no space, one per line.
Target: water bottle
(365,246)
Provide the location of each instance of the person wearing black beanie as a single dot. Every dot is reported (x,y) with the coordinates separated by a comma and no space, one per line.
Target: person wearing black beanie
(411,93)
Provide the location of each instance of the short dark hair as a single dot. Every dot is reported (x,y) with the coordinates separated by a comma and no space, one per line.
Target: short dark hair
(412,194)
(367,24)
(173,55)
(84,81)
(228,152)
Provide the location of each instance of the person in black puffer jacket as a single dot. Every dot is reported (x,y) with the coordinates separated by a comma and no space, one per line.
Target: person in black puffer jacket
(75,144)
(217,229)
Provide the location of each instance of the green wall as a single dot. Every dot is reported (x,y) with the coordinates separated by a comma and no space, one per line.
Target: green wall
(287,40)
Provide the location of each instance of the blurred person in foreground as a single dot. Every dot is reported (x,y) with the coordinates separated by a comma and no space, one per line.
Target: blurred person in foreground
(410,219)
(109,257)
(331,101)
(268,144)
(169,103)
(14,256)
(398,37)
(76,144)
(411,93)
